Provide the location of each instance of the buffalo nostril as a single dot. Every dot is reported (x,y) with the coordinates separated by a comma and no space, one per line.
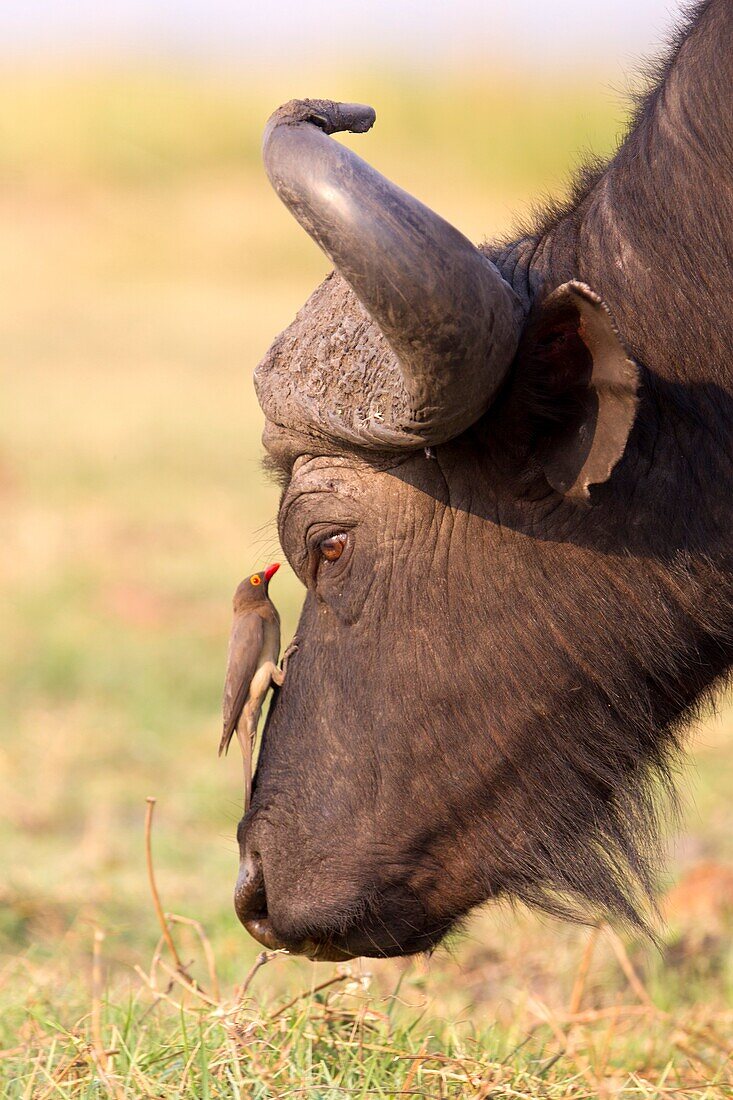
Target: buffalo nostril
(250,899)
(250,903)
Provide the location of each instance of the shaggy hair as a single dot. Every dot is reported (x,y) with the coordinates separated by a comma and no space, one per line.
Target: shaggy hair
(601,787)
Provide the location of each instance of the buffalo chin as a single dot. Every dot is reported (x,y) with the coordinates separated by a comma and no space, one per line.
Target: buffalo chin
(261,930)
(343,947)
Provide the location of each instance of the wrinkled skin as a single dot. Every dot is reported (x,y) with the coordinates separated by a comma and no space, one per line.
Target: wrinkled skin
(491,675)
(430,731)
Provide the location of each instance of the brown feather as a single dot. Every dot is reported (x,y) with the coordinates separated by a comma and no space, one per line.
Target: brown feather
(245,648)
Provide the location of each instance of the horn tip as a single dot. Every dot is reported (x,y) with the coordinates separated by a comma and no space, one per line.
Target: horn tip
(326,114)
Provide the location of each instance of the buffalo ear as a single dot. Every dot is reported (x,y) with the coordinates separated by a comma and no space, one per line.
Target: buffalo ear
(582,389)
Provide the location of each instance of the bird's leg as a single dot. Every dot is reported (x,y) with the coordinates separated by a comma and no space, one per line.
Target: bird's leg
(278,674)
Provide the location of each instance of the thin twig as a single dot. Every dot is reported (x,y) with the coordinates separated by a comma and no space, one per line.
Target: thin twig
(263,958)
(523,1042)
(153,888)
(310,993)
(626,965)
(581,977)
(206,944)
(183,979)
(550,1063)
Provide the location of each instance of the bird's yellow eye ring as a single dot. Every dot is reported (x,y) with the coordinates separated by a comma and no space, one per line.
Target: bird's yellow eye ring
(255,580)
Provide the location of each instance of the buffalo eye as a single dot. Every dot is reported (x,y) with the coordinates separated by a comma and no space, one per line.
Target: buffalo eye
(333,547)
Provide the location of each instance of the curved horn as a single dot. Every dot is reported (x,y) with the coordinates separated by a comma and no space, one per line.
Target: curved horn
(449,316)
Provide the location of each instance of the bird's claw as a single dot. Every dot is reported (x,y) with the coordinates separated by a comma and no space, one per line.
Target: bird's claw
(292,648)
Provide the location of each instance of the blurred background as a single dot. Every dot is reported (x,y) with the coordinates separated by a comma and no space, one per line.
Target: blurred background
(145,266)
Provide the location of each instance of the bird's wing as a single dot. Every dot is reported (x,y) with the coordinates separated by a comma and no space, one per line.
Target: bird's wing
(245,648)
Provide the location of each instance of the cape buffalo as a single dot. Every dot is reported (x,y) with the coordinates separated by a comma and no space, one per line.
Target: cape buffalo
(507,488)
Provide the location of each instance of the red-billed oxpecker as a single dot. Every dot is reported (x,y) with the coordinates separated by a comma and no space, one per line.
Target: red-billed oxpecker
(254,649)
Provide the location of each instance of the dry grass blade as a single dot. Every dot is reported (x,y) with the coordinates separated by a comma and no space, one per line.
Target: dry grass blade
(535,1005)
(97,1051)
(595,1015)
(155,961)
(96,1020)
(680,1041)
(161,995)
(412,1071)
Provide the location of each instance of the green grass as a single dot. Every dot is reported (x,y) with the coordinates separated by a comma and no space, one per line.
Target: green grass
(145,266)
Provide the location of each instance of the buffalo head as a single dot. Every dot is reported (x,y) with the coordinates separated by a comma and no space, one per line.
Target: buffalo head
(488,650)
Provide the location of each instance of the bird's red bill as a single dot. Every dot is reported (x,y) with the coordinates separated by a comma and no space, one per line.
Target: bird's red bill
(272,570)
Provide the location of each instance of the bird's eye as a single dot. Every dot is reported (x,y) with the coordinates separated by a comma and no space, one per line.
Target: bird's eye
(333,547)
(255,580)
